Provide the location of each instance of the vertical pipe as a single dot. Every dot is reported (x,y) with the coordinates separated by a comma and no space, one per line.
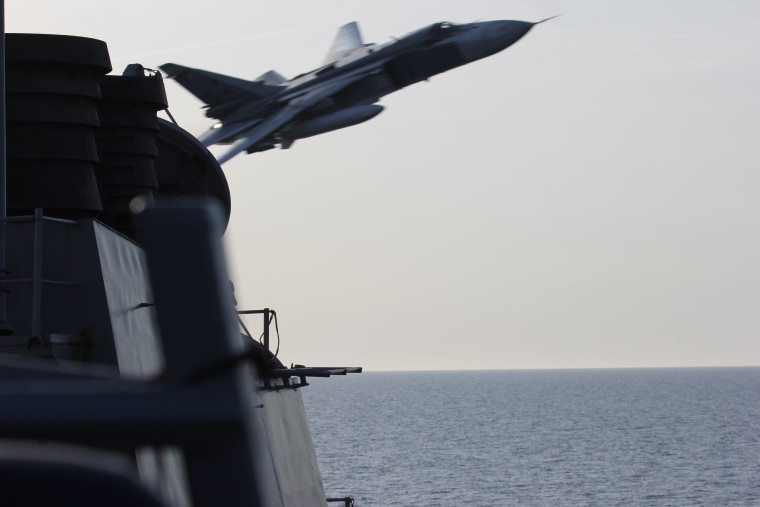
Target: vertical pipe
(37,274)
(5,328)
(266,329)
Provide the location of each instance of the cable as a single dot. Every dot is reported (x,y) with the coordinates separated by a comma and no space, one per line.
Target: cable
(272,316)
(277,329)
(171,117)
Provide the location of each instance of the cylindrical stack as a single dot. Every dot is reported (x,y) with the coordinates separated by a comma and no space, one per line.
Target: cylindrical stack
(127,141)
(51,94)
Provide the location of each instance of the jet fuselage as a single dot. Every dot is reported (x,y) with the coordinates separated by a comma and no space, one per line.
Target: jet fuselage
(258,115)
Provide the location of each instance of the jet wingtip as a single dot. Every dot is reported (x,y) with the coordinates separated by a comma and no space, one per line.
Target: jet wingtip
(170,69)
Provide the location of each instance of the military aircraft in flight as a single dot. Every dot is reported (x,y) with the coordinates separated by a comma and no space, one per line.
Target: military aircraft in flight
(271,110)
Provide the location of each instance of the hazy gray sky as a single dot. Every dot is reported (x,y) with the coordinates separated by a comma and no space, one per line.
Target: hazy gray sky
(586,198)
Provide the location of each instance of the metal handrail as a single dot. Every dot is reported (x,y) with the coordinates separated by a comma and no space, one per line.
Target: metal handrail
(37,280)
(267,320)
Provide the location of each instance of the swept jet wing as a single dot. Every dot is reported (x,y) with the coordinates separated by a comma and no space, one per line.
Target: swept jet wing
(287,113)
(268,111)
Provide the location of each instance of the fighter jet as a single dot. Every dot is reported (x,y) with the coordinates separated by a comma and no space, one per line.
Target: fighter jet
(258,115)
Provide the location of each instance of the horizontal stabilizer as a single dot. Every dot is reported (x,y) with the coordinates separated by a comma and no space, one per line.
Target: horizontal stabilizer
(283,116)
(216,89)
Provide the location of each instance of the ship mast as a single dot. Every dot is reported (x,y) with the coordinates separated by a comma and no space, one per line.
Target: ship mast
(5,327)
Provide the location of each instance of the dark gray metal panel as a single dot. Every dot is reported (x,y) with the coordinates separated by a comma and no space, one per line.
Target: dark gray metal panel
(138,347)
(35,474)
(199,328)
(185,168)
(97,280)
(293,455)
(76,304)
(127,290)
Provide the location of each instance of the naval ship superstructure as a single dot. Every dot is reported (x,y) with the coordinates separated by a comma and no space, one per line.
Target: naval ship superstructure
(126,375)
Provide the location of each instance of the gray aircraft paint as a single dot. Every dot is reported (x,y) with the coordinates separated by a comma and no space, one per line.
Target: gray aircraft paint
(269,111)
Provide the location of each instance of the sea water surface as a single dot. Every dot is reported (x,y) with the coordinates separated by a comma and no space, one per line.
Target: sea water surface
(676,437)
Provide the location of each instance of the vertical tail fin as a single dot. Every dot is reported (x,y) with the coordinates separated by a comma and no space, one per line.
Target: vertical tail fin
(347,39)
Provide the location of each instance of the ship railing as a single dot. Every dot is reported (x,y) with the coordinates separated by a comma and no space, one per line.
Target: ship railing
(37,280)
(287,375)
(269,316)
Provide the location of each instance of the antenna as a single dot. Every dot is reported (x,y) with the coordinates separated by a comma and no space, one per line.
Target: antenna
(547,19)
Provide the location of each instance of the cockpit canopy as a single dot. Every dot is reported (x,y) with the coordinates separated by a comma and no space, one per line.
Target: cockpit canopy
(433,33)
(443,30)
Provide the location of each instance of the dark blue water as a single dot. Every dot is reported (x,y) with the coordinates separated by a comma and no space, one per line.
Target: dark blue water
(672,437)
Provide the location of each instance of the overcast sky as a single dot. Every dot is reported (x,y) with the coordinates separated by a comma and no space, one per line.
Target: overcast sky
(586,198)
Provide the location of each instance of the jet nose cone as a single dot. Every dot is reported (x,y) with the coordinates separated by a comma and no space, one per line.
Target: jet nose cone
(509,32)
(489,37)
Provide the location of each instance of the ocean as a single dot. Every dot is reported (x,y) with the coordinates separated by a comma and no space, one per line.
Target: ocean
(675,437)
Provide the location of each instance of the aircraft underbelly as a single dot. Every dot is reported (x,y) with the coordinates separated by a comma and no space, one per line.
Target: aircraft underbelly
(419,65)
(367,90)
